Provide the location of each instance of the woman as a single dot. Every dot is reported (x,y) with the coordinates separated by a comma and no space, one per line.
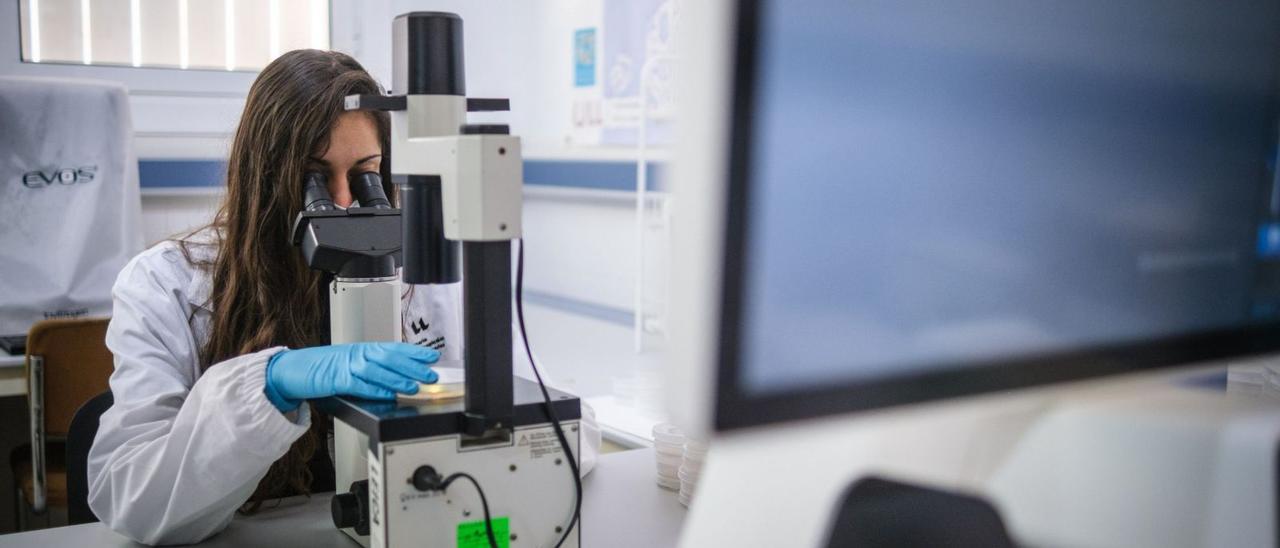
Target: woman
(220,337)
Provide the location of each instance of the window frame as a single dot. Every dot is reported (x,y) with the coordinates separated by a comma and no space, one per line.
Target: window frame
(154,92)
(145,80)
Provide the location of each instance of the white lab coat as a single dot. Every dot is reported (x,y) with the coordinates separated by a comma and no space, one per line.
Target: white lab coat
(181,450)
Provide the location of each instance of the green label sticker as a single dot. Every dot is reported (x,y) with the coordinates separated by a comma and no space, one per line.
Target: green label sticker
(471,534)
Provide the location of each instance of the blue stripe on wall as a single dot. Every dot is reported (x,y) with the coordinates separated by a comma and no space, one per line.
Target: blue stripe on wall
(181,173)
(597,175)
(593,175)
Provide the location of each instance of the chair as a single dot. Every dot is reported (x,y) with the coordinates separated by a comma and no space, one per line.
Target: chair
(67,365)
(84,427)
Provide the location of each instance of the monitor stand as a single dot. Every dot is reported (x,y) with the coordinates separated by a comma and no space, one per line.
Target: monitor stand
(1141,460)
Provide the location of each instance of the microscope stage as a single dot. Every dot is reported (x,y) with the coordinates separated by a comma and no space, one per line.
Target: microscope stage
(394,421)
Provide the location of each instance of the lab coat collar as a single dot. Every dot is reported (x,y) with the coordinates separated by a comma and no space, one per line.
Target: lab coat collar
(203,251)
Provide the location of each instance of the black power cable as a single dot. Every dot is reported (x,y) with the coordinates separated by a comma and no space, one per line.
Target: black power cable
(484,503)
(425,478)
(546,399)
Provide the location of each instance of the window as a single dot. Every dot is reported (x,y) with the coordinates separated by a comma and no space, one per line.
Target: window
(233,35)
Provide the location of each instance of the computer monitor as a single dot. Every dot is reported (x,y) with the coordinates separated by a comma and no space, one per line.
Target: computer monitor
(925,200)
(947,204)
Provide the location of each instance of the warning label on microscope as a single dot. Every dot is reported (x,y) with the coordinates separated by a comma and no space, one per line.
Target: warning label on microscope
(540,444)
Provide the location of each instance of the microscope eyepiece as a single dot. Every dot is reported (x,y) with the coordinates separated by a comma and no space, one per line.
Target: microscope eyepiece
(367,189)
(315,192)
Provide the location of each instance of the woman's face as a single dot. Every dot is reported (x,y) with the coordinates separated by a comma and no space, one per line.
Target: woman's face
(353,148)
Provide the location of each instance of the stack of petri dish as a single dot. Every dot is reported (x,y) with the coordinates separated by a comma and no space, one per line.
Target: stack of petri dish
(695,454)
(668,448)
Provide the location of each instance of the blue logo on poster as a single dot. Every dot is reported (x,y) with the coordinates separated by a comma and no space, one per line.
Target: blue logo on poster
(584,57)
(1269,240)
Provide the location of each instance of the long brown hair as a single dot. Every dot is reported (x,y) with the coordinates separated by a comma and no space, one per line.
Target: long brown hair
(263,294)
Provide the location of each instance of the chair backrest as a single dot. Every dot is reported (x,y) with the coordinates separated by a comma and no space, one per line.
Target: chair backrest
(76,363)
(84,428)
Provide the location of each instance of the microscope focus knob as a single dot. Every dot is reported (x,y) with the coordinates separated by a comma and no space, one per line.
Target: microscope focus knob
(352,509)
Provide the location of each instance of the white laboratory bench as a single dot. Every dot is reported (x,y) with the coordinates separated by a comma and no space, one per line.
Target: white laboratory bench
(622,507)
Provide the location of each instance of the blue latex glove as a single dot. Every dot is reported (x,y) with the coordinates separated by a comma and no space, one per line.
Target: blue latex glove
(375,371)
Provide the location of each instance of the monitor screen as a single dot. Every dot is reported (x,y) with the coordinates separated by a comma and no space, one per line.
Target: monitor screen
(931,199)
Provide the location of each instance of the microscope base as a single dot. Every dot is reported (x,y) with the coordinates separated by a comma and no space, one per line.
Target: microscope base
(524,472)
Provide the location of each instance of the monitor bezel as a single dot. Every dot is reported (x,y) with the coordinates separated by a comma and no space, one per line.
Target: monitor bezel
(735,408)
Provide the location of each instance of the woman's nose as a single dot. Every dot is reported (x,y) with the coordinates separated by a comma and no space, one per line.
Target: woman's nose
(340,189)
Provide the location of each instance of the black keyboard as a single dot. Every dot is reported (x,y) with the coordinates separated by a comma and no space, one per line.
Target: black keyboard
(15,345)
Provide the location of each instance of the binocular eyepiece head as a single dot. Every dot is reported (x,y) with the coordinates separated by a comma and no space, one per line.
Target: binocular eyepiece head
(366,188)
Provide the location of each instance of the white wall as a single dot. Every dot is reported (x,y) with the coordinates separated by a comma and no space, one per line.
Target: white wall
(583,247)
(169,215)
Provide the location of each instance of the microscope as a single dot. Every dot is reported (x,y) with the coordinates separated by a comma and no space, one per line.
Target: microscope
(516,441)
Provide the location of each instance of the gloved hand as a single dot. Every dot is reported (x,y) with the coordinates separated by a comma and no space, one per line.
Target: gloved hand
(375,371)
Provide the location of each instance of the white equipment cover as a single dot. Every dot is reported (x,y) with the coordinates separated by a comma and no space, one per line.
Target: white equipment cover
(70,211)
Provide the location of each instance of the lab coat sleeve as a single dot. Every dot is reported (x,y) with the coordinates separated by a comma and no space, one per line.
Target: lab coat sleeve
(589,434)
(175,457)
